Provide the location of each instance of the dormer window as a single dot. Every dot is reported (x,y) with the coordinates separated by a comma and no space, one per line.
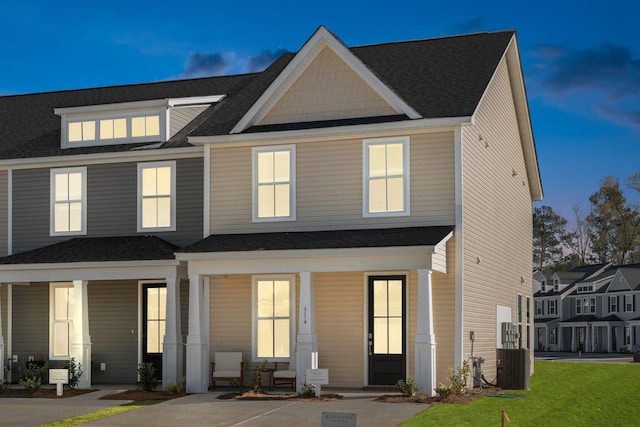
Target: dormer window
(124,128)
(123,123)
(556,285)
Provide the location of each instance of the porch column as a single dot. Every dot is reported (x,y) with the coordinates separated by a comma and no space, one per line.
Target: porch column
(172,355)
(81,340)
(587,339)
(573,339)
(609,333)
(425,341)
(197,351)
(2,357)
(546,337)
(560,339)
(307,341)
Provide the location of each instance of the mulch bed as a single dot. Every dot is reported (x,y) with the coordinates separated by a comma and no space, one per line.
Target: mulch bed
(43,393)
(143,396)
(252,395)
(460,399)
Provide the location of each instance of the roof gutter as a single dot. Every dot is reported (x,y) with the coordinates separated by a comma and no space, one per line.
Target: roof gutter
(446,123)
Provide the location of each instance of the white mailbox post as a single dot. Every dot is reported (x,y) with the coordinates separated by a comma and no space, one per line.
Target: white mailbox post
(59,377)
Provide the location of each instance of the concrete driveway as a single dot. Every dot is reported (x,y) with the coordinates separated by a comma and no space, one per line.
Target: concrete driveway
(206,410)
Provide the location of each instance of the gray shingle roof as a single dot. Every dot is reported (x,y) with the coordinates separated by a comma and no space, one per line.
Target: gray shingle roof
(338,239)
(97,249)
(29,128)
(443,77)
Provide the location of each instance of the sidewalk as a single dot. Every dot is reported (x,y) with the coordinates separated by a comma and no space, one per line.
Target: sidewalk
(206,410)
(583,357)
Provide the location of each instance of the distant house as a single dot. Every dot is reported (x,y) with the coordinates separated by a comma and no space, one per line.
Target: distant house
(348,207)
(594,310)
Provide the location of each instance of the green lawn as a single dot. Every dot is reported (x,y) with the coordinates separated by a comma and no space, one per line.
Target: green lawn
(562,394)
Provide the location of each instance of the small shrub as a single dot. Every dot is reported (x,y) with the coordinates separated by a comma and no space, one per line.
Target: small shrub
(443,391)
(459,379)
(36,369)
(176,389)
(148,378)
(257,376)
(308,390)
(75,372)
(32,384)
(3,386)
(408,387)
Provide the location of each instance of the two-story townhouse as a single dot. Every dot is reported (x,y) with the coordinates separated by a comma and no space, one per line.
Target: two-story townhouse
(366,210)
(361,205)
(99,188)
(600,312)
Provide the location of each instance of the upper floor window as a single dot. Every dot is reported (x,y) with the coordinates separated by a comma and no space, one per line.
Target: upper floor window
(68,201)
(613,304)
(274,309)
(578,305)
(386,177)
(539,308)
(585,288)
(61,300)
(551,307)
(157,196)
(592,305)
(556,285)
(629,303)
(274,189)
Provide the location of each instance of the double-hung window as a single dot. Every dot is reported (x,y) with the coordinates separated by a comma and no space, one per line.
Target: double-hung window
(386,177)
(61,300)
(628,303)
(552,307)
(539,308)
(274,189)
(157,196)
(273,317)
(68,201)
(613,304)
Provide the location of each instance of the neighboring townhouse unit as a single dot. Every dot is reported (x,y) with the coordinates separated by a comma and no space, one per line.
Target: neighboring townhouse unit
(355,205)
(598,310)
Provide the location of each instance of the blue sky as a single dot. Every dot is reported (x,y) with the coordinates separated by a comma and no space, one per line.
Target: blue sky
(581,59)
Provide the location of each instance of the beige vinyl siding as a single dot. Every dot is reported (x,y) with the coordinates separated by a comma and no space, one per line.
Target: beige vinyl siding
(339,303)
(230,320)
(327,89)
(4,212)
(182,116)
(497,220)
(329,187)
(113,316)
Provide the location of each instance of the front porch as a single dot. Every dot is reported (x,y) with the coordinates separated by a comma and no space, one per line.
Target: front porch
(331,319)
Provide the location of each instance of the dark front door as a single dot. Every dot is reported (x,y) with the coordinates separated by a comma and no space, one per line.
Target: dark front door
(386,346)
(154,310)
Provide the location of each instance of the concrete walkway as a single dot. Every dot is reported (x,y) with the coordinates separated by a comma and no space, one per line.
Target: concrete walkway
(206,410)
(584,357)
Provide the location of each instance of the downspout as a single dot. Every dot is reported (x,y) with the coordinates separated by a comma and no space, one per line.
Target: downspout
(459,236)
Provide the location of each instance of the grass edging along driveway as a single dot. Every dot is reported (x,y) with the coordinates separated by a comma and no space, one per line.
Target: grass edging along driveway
(562,394)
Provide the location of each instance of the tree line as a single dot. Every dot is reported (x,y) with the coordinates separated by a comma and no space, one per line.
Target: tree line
(608,232)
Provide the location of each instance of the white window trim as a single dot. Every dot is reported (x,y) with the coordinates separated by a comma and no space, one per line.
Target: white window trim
(613,298)
(52,287)
(152,165)
(554,309)
(406,172)
(592,305)
(52,197)
(254,315)
(291,148)
(128,115)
